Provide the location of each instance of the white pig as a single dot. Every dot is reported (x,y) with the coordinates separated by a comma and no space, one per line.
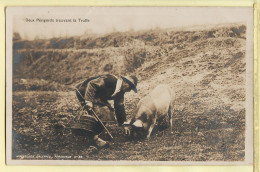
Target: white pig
(152,107)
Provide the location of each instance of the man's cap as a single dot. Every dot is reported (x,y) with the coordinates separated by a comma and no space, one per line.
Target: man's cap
(132,81)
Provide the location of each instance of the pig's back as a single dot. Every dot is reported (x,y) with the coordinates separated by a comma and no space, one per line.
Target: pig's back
(162,97)
(146,105)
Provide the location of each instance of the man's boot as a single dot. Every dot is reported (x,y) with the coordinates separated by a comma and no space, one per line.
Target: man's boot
(100,143)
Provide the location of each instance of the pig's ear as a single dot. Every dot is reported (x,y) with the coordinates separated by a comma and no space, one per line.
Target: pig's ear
(138,124)
(127,122)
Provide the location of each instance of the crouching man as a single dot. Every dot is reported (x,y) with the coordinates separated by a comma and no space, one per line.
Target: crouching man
(96,91)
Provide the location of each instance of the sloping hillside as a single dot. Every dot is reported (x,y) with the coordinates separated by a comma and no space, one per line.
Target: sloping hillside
(117,53)
(205,68)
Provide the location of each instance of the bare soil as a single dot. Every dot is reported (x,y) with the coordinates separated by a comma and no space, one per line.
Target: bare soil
(205,69)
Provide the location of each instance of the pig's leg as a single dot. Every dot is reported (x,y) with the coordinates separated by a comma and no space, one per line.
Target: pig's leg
(170,116)
(151,129)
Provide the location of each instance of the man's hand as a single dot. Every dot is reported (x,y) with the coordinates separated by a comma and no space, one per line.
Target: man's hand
(127,131)
(89,105)
(127,128)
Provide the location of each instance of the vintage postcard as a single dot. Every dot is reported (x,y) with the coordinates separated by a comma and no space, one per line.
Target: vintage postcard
(129,85)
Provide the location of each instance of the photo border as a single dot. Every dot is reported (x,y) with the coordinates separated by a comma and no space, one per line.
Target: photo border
(240,3)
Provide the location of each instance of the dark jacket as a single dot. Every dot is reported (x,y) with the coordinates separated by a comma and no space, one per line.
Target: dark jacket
(101,89)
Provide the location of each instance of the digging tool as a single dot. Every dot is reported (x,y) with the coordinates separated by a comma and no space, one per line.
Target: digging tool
(97,118)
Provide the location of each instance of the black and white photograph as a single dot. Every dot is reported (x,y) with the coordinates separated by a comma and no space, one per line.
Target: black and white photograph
(129,85)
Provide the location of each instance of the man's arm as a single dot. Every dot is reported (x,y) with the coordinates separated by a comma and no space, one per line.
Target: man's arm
(92,88)
(120,108)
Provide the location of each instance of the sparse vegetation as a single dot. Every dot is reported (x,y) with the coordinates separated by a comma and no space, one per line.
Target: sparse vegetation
(205,68)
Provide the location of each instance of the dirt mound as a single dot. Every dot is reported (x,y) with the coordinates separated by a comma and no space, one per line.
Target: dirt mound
(135,52)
